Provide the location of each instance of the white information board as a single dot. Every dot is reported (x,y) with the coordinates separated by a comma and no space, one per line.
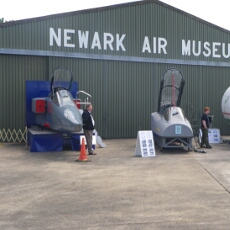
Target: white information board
(213,136)
(145,144)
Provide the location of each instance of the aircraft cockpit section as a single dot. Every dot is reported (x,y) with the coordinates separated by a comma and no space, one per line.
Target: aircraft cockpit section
(168,124)
(58,111)
(62,97)
(177,112)
(173,112)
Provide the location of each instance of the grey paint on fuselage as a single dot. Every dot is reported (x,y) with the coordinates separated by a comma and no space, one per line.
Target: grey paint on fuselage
(61,113)
(165,124)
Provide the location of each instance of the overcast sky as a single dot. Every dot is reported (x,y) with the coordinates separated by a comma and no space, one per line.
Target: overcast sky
(216,12)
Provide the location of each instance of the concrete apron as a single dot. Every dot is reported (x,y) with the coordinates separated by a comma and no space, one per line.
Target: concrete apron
(174,190)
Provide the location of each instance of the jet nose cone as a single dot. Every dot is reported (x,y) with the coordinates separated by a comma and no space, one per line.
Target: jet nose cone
(75,121)
(70,116)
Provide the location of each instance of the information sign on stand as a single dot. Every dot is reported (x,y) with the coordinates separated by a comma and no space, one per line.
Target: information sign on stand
(213,136)
(145,144)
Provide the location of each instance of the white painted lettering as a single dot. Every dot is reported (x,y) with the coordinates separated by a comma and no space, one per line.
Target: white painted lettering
(67,38)
(162,43)
(83,39)
(223,51)
(54,36)
(119,42)
(186,48)
(158,45)
(108,40)
(154,45)
(215,49)
(207,48)
(96,41)
(146,46)
(194,48)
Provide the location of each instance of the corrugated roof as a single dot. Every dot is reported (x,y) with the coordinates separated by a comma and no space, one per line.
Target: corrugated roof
(98,9)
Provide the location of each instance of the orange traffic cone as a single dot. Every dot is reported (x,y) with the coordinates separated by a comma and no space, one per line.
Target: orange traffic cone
(83,156)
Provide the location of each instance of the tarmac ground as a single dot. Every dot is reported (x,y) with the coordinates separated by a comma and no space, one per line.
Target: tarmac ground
(176,189)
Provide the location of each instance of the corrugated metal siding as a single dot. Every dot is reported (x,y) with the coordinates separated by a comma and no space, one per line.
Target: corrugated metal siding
(124,94)
(215,82)
(130,98)
(14,71)
(152,19)
(205,86)
(90,76)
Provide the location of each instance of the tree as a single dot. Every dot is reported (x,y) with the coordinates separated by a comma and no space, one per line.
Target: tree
(2,20)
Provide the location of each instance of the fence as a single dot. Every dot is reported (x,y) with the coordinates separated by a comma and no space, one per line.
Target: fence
(13,136)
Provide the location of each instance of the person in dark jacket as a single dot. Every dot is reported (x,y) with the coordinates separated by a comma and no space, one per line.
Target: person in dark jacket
(204,128)
(88,127)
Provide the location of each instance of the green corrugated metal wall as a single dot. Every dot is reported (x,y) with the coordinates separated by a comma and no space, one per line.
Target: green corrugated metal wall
(124,93)
(136,20)
(14,71)
(117,93)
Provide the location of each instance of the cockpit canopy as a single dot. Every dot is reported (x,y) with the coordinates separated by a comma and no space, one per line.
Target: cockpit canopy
(62,79)
(173,113)
(171,89)
(63,97)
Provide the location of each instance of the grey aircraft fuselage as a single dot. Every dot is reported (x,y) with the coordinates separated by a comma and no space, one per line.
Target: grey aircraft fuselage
(61,114)
(58,111)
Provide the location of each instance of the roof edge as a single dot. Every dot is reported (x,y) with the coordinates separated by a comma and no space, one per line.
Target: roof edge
(97,9)
(53,16)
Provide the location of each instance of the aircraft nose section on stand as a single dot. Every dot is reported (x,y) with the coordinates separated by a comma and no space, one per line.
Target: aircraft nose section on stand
(73,117)
(170,127)
(53,115)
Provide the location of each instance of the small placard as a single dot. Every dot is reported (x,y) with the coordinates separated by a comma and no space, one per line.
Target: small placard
(145,144)
(213,136)
(178,129)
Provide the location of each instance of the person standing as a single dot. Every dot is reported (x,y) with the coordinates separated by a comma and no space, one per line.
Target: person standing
(204,128)
(88,127)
